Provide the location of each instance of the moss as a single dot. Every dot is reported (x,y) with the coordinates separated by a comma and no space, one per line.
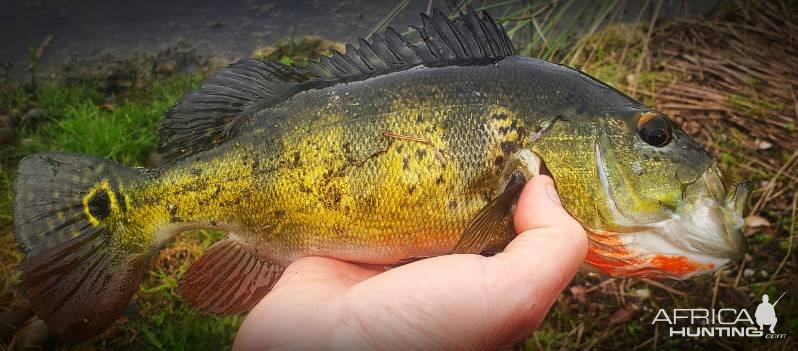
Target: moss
(753,105)
(298,51)
(612,56)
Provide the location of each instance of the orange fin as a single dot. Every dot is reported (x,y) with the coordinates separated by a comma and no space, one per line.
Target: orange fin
(229,278)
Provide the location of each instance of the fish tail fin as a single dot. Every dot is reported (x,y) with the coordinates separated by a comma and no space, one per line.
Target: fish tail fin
(82,261)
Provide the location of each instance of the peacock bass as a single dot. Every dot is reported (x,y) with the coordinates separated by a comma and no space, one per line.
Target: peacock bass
(404,147)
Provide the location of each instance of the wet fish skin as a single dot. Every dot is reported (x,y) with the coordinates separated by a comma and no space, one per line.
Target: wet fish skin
(322,175)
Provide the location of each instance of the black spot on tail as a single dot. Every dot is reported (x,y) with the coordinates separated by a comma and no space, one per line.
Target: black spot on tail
(100,204)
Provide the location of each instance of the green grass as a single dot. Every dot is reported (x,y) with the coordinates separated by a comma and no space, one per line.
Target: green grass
(5,195)
(77,118)
(163,321)
(297,51)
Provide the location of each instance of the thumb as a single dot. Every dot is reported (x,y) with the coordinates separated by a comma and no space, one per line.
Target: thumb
(547,252)
(541,221)
(539,206)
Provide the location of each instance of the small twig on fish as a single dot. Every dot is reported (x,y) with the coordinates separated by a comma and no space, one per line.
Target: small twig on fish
(438,152)
(370,156)
(664,287)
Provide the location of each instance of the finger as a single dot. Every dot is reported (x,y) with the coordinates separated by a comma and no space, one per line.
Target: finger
(315,278)
(540,262)
(539,206)
(304,285)
(308,271)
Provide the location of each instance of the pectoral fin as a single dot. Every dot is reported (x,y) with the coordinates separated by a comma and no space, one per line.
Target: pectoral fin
(492,228)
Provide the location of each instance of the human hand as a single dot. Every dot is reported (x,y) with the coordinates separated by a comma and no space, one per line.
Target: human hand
(446,302)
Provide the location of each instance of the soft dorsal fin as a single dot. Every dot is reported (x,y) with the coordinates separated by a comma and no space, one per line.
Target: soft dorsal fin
(198,122)
(205,117)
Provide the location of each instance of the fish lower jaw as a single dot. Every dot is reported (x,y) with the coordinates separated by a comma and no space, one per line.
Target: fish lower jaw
(646,255)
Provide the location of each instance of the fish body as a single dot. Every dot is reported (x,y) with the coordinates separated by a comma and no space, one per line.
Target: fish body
(373,171)
(386,154)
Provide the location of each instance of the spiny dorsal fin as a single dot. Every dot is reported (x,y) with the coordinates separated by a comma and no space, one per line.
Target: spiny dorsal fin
(206,117)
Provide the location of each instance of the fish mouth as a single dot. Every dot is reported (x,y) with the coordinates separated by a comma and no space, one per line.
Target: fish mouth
(702,235)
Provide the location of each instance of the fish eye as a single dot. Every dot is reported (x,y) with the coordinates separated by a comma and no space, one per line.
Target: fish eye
(654,129)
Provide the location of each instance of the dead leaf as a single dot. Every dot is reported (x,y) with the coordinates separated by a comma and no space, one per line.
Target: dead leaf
(579,292)
(643,293)
(622,315)
(754,221)
(763,145)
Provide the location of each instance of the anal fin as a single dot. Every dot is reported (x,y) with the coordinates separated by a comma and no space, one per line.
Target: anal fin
(229,278)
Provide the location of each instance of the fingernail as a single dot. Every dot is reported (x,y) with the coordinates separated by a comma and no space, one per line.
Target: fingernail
(553,194)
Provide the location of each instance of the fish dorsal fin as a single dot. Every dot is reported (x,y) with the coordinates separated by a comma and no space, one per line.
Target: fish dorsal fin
(466,40)
(206,117)
(198,122)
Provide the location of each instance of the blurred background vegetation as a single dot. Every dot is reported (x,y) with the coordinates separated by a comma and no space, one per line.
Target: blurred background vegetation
(730,79)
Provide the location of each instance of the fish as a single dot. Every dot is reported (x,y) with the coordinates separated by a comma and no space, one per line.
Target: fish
(403,147)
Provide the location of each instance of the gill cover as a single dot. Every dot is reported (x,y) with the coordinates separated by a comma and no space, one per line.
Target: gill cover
(663,207)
